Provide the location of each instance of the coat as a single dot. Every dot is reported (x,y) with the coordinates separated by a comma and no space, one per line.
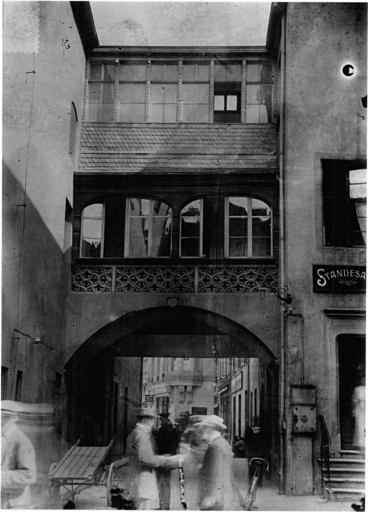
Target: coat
(141,451)
(217,477)
(18,465)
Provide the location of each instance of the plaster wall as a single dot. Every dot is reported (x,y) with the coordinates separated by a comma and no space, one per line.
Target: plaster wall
(42,77)
(323,120)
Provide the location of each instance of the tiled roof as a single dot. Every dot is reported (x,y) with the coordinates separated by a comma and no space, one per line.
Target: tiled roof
(130,148)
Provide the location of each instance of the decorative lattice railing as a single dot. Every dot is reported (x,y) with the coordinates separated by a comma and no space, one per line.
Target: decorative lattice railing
(124,279)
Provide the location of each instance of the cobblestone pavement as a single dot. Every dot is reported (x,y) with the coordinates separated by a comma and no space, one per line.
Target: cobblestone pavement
(95,498)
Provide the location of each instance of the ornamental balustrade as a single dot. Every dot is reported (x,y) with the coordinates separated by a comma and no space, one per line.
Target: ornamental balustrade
(124,279)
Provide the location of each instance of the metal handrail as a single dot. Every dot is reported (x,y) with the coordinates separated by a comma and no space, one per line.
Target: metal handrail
(325,443)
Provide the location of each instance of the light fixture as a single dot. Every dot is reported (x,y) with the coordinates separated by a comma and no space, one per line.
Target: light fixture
(34,339)
(283,296)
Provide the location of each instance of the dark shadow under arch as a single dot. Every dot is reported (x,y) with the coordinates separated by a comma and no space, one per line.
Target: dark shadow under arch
(201,333)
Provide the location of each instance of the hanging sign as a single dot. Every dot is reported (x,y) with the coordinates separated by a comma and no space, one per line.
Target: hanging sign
(148,398)
(339,279)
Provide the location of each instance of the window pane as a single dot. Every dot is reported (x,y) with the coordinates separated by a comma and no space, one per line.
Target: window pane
(161,247)
(90,248)
(260,208)
(252,73)
(138,247)
(220,72)
(109,72)
(252,114)
(231,103)
(125,93)
(157,93)
(202,94)
(253,94)
(138,207)
(358,184)
(201,114)
(138,113)
(261,247)
(138,227)
(157,113)
(108,93)
(203,72)
(161,226)
(238,206)
(189,72)
(94,93)
(265,94)
(95,72)
(265,113)
(192,208)
(219,102)
(139,93)
(92,228)
(190,226)
(139,73)
(157,72)
(172,73)
(93,211)
(189,93)
(234,72)
(238,227)
(238,247)
(261,226)
(190,247)
(126,72)
(266,73)
(107,112)
(171,93)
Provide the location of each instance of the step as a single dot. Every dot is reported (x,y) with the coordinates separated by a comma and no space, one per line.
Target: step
(346,473)
(343,494)
(347,463)
(351,483)
(351,454)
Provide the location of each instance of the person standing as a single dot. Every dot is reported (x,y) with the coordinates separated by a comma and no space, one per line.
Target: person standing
(218,490)
(18,459)
(143,460)
(167,444)
(359,413)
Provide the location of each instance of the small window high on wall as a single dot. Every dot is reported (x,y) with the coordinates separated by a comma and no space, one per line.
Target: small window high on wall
(248,228)
(132,92)
(259,93)
(164,92)
(196,92)
(191,229)
(148,228)
(101,92)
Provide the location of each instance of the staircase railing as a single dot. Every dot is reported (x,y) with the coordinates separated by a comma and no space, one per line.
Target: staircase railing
(325,443)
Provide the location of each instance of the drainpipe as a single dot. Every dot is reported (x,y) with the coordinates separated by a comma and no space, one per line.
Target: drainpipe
(282,416)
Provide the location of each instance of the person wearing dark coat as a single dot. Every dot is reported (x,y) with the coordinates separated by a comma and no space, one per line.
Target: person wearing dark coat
(167,440)
(255,446)
(218,490)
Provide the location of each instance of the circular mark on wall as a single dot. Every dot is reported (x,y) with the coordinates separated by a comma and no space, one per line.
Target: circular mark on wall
(348,70)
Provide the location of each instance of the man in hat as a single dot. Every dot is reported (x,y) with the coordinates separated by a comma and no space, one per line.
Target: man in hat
(167,444)
(218,489)
(18,459)
(143,460)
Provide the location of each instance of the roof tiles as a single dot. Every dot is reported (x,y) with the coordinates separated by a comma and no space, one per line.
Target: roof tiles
(131,148)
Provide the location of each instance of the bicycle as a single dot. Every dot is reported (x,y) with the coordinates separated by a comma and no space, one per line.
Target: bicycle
(252,491)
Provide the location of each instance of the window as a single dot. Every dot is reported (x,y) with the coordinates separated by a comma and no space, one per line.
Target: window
(4,382)
(227,96)
(344,203)
(248,228)
(259,93)
(132,92)
(196,92)
(73,132)
(191,229)
(148,228)
(58,380)
(164,93)
(101,92)
(92,231)
(186,365)
(201,411)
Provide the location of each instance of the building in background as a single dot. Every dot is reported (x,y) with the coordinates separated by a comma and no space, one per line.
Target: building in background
(179,386)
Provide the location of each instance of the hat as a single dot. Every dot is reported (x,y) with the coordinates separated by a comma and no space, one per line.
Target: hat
(212,421)
(145,412)
(10,407)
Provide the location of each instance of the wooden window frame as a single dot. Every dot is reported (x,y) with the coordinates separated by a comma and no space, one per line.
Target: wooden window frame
(150,229)
(249,229)
(201,255)
(102,230)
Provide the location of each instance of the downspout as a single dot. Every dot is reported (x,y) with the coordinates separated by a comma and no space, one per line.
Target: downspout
(282,416)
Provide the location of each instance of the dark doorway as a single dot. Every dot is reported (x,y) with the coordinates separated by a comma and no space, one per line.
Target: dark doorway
(351,350)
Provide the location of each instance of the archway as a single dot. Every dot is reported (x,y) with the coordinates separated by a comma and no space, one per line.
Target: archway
(177,332)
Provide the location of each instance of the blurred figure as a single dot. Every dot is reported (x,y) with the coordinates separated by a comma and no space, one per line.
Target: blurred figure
(218,490)
(18,459)
(359,413)
(254,446)
(167,444)
(141,450)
